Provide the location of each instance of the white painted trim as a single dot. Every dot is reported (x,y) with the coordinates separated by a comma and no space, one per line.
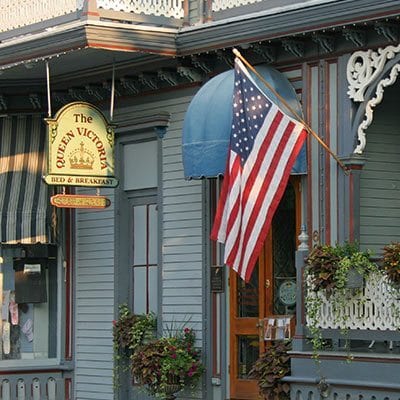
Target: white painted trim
(272,11)
(363,68)
(371,105)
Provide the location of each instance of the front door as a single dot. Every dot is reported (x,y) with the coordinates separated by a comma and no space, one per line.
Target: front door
(270,292)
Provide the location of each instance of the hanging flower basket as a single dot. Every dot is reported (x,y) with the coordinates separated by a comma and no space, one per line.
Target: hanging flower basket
(167,365)
(171,389)
(332,268)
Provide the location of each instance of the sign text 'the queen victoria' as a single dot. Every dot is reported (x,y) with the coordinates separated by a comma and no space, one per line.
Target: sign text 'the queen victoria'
(81,147)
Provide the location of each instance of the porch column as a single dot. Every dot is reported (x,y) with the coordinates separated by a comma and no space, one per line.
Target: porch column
(301,254)
(208,10)
(351,222)
(90,10)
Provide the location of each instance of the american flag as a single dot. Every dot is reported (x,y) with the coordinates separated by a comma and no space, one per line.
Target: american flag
(263,147)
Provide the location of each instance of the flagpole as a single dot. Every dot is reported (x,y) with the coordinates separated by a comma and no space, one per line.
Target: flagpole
(299,117)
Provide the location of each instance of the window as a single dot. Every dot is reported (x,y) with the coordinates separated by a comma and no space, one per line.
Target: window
(144,258)
(28,287)
(139,221)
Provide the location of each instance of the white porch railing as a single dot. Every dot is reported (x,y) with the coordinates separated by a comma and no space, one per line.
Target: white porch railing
(219,5)
(22,13)
(17,14)
(376,307)
(34,386)
(164,8)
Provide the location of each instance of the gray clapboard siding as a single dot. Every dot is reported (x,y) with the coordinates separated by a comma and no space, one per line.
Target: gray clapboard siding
(194,11)
(380,178)
(181,261)
(94,301)
(181,222)
(186,188)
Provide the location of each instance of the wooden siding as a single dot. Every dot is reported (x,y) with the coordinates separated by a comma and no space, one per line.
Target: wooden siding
(181,221)
(94,301)
(332,170)
(182,227)
(194,12)
(380,178)
(181,261)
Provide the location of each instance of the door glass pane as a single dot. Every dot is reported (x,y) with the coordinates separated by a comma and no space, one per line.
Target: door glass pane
(248,348)
(247,296)
(284,247)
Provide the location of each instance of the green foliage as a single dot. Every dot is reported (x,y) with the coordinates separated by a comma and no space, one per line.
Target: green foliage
(328,266)
(165,361)
(327,273)
(391,263)
(154,363)
(130,331)
(269,370)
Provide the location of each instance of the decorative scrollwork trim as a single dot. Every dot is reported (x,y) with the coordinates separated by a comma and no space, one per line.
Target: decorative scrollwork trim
(365,66)
(369,109)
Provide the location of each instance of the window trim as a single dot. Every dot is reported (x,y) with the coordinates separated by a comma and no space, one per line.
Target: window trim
(54,362)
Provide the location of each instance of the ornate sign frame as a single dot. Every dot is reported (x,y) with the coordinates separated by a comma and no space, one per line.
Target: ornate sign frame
(80,147)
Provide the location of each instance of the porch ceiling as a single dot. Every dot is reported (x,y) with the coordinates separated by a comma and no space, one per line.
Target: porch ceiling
(151,58)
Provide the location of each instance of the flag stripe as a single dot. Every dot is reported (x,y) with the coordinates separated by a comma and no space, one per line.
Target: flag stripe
(252,258)
(263,148)
(261,195)
(248,180)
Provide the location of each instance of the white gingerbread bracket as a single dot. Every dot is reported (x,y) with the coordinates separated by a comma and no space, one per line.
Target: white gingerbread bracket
(363,68)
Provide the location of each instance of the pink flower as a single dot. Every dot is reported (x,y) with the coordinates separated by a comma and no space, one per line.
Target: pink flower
(173,356)
(186,330)
(114,322)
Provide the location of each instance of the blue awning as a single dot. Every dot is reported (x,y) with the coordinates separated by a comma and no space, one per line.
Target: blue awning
(207,124)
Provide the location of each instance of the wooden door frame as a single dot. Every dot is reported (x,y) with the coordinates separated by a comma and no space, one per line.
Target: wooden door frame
(248,389)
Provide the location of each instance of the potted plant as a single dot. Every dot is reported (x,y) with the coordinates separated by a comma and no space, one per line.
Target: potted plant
(269,370)
(130,331)
(331,268)
(333,273)
(391,263)
(167,365)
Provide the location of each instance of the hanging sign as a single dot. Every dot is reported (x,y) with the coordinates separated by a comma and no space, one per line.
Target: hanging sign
(80,147)
(79,201)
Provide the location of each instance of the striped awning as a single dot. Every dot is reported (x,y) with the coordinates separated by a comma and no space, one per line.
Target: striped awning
(24,202)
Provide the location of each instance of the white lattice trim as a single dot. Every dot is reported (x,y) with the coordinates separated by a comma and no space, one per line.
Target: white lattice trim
(376,307)
(165,8)
(218,5)
(27,12)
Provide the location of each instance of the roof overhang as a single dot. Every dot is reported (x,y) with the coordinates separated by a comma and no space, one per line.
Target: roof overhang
(282,22)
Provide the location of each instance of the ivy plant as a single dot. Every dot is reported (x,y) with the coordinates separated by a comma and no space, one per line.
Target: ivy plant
(327,273)
(130,331)
(328,266)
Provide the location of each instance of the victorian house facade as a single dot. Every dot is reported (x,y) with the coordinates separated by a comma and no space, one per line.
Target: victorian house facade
(161,72)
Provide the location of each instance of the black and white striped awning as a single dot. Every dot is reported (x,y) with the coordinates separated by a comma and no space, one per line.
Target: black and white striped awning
(24,203)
